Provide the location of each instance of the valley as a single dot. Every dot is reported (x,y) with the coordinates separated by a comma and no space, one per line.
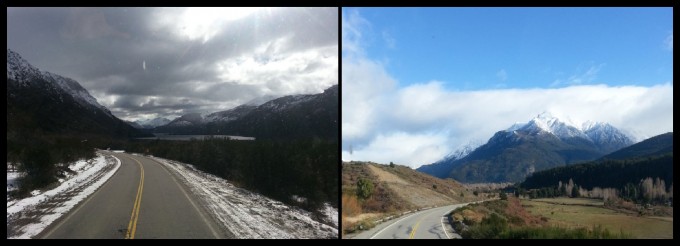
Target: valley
(580,212)
(103,146)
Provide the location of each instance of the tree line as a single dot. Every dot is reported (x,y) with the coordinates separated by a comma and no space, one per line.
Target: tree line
(43,157)
(642,180)
(278,169)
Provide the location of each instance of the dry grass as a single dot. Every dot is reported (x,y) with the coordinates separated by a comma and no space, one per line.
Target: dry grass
(350,205)
(573,215)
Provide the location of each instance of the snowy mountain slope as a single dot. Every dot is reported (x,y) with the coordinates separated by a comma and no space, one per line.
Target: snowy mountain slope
(260,100)
(19,70)
(607,137)
(294,116)
(462,151)
(287,102)
(600,133)
(53,103)
(231,114)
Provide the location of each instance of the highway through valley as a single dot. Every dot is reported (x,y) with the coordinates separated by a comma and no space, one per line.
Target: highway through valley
(141,200)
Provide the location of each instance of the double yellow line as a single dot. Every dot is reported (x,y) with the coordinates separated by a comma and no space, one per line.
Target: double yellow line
(413,231)
(132,226)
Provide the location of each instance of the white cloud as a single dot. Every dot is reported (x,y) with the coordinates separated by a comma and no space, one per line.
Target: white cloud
(401,147)
(502,75)
(389,40)
(352,24)
(668,42)
(458,117)
(581,76)
(294,73)
(421,123)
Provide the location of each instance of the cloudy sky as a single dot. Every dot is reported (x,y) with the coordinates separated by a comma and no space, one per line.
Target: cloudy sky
(418,83)
(143,63)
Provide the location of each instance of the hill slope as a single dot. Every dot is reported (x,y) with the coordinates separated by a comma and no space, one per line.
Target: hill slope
(653,146)
(400,188)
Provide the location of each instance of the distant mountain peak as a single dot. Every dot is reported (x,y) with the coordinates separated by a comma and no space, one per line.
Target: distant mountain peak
(463,151)
(151,123)
(545,141)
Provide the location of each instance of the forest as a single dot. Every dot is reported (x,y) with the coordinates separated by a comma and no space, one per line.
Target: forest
(275,168)
(637,179)
(43,157)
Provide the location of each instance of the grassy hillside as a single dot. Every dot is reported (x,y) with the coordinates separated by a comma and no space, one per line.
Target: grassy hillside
(394,189)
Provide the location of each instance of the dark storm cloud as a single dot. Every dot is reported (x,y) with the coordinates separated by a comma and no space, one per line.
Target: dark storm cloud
(147,62)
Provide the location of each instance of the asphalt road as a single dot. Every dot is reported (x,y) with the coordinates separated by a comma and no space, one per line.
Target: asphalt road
(141,200)
(426,224)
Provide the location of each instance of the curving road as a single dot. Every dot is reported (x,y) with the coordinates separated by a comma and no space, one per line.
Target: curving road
(141,200)
(426,224)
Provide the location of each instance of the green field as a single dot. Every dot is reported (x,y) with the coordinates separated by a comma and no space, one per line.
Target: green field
(579,212)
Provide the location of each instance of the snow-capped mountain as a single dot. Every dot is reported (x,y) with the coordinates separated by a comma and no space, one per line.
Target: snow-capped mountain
(606,137)
(231,114)
(284,103)
(462,151)
(260,100)
(543,142)
(191,119)
(293,116)
(23,73)
(55,103)
(548,123)
(151,123)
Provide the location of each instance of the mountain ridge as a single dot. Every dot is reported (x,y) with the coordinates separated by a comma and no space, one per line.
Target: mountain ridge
(43,100)
(542,143)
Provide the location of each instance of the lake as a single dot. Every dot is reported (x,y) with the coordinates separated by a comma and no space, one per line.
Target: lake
(164,136)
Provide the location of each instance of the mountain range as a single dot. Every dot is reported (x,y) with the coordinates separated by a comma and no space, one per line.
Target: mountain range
(651,158)
(43,101)
(150,123)
(295,116)
(542,143)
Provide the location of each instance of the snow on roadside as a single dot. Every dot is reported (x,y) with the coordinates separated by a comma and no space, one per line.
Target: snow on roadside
(331,214)
(250,215)
(29,216)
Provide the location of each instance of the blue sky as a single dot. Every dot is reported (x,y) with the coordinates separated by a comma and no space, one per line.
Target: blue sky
(419,83)
(479,48)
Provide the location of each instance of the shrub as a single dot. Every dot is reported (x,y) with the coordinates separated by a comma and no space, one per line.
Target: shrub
(503,196)
(364,188)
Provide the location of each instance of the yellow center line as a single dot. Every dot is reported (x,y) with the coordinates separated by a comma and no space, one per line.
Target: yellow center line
(132,225)
(413,231)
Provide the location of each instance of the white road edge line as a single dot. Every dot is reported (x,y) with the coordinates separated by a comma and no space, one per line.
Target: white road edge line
(376,234)
(444,228)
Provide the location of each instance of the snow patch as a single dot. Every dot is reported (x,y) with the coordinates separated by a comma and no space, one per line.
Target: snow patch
(42,208)
(250,215)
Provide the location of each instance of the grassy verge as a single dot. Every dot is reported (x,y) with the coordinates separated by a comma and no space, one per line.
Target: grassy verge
(509,220)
